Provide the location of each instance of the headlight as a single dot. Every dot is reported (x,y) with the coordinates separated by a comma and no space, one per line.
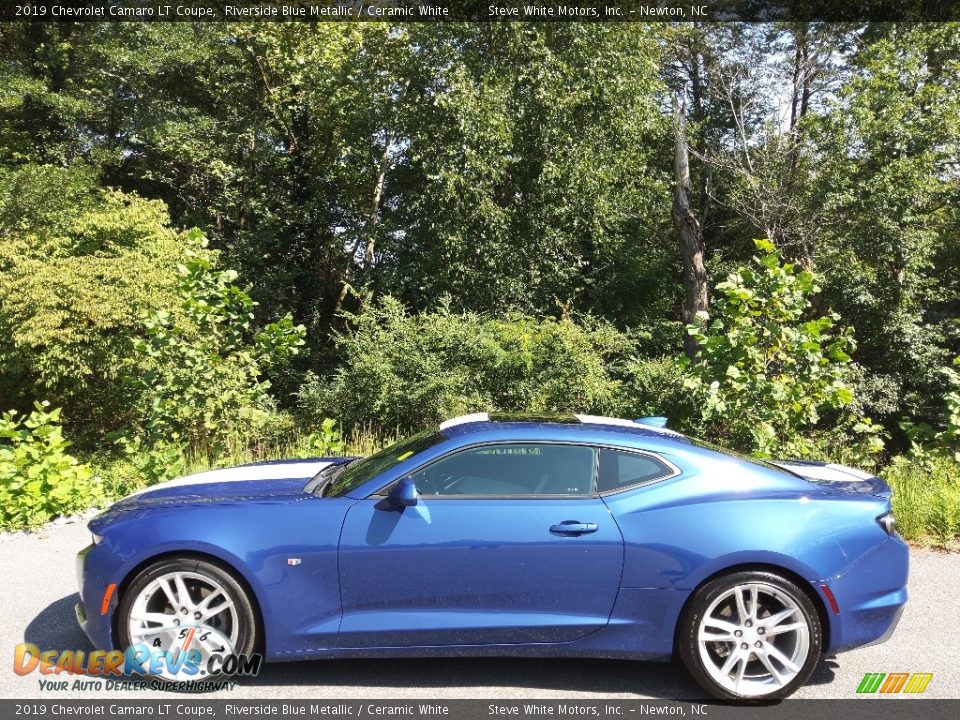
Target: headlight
(888,523)
(96,539)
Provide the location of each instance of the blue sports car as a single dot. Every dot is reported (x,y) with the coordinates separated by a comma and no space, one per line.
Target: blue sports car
(497,535)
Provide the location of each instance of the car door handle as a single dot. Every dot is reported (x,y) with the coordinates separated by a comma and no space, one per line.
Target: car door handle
(572,527)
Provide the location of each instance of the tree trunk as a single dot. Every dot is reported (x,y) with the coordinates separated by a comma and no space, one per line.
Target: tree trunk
(373,219)
(690,233)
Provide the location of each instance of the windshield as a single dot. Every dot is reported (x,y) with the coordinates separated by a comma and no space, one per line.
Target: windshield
(356,473)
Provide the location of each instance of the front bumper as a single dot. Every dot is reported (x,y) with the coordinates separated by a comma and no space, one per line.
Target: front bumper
(870,595)
(92,576)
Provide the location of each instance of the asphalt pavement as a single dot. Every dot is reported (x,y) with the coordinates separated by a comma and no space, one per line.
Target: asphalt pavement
(37,571)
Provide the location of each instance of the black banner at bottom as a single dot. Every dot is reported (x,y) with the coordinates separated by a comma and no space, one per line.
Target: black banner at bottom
(576,709)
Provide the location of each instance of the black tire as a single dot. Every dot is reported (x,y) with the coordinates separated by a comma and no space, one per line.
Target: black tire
(248,631)
(689,625)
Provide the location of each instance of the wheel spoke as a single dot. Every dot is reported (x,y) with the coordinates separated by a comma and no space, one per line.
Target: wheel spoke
(168,591)
(205,603)
(779,629)
(777,618)
(216,611)
(704,636)
(740,671)
(741,604)
(146,617)
(721,624)
(145,633)
(211,645)
(773,652)
(732,659)
(769,666)
(183,595)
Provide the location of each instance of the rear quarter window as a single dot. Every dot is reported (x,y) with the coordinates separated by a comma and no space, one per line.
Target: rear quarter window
(620,470)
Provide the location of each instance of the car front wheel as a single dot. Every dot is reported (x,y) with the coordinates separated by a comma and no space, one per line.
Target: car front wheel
(186,605)
(750,636)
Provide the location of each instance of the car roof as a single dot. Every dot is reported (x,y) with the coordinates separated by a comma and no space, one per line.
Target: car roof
(560,424)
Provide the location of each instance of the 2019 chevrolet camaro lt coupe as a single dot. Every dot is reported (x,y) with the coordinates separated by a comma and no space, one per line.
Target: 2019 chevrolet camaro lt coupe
(498,535)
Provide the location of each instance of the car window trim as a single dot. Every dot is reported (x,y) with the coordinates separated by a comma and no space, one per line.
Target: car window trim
(382,492)
(674,471)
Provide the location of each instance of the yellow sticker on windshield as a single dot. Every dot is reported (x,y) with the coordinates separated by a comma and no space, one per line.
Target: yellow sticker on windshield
(407,454)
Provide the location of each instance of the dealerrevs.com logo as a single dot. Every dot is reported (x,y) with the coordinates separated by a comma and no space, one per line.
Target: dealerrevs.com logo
(199,659)
(894,683)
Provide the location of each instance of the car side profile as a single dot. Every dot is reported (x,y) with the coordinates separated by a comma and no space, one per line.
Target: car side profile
(505,535)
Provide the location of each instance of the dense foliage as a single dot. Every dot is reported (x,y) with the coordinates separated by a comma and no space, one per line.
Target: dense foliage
(766,368)
(409,371)
(81,268)
(205,364)
(39,480)
(410,221)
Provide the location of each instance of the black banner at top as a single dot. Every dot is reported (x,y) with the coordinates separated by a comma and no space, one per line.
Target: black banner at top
(479,11)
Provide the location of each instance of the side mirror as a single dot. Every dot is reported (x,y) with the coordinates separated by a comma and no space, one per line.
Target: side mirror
(403,493)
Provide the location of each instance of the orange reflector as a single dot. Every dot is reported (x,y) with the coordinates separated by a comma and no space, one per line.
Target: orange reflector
(108,593)
(831,599)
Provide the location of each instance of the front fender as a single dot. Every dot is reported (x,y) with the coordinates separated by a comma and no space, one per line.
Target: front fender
(285,552)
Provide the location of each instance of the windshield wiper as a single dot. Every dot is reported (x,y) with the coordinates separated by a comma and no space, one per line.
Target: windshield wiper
(318,483)
(335,472)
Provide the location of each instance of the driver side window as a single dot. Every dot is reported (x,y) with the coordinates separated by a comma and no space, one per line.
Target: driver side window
(514,469)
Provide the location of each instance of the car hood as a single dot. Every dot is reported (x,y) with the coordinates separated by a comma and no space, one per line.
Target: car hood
(838,478)
(255,482)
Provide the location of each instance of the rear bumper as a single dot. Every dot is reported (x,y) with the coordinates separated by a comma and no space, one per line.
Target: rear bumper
(870,596)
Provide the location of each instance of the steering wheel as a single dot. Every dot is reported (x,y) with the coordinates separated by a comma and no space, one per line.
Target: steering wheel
(433,484)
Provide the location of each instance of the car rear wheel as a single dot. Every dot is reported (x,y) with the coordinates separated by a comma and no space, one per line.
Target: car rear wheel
(187,605)
(750,636)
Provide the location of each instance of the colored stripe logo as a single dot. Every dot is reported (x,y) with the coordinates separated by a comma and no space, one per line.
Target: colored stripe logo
(893,683)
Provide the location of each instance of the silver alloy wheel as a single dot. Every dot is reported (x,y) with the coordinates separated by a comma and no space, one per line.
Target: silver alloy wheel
(180,601)
(753,639)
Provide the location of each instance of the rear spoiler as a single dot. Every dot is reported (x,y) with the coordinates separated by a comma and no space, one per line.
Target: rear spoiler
(838,478)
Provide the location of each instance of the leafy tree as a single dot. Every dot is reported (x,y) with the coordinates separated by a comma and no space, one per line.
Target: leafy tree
(885,196)
(81,267)
(530,172)
(767,369)
(207,362)
(513,167)
(410,159)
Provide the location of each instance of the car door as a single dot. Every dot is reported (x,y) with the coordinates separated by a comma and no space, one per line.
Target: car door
(508,543)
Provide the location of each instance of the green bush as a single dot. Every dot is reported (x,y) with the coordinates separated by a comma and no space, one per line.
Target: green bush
(926,498)
(39,480)
(410,371)
(945,437)
(847,440)
(767,368)
(327,440)
(205,383)
(81,267)
(655,386)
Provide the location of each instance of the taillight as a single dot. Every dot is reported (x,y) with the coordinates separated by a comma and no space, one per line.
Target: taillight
(888,523)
